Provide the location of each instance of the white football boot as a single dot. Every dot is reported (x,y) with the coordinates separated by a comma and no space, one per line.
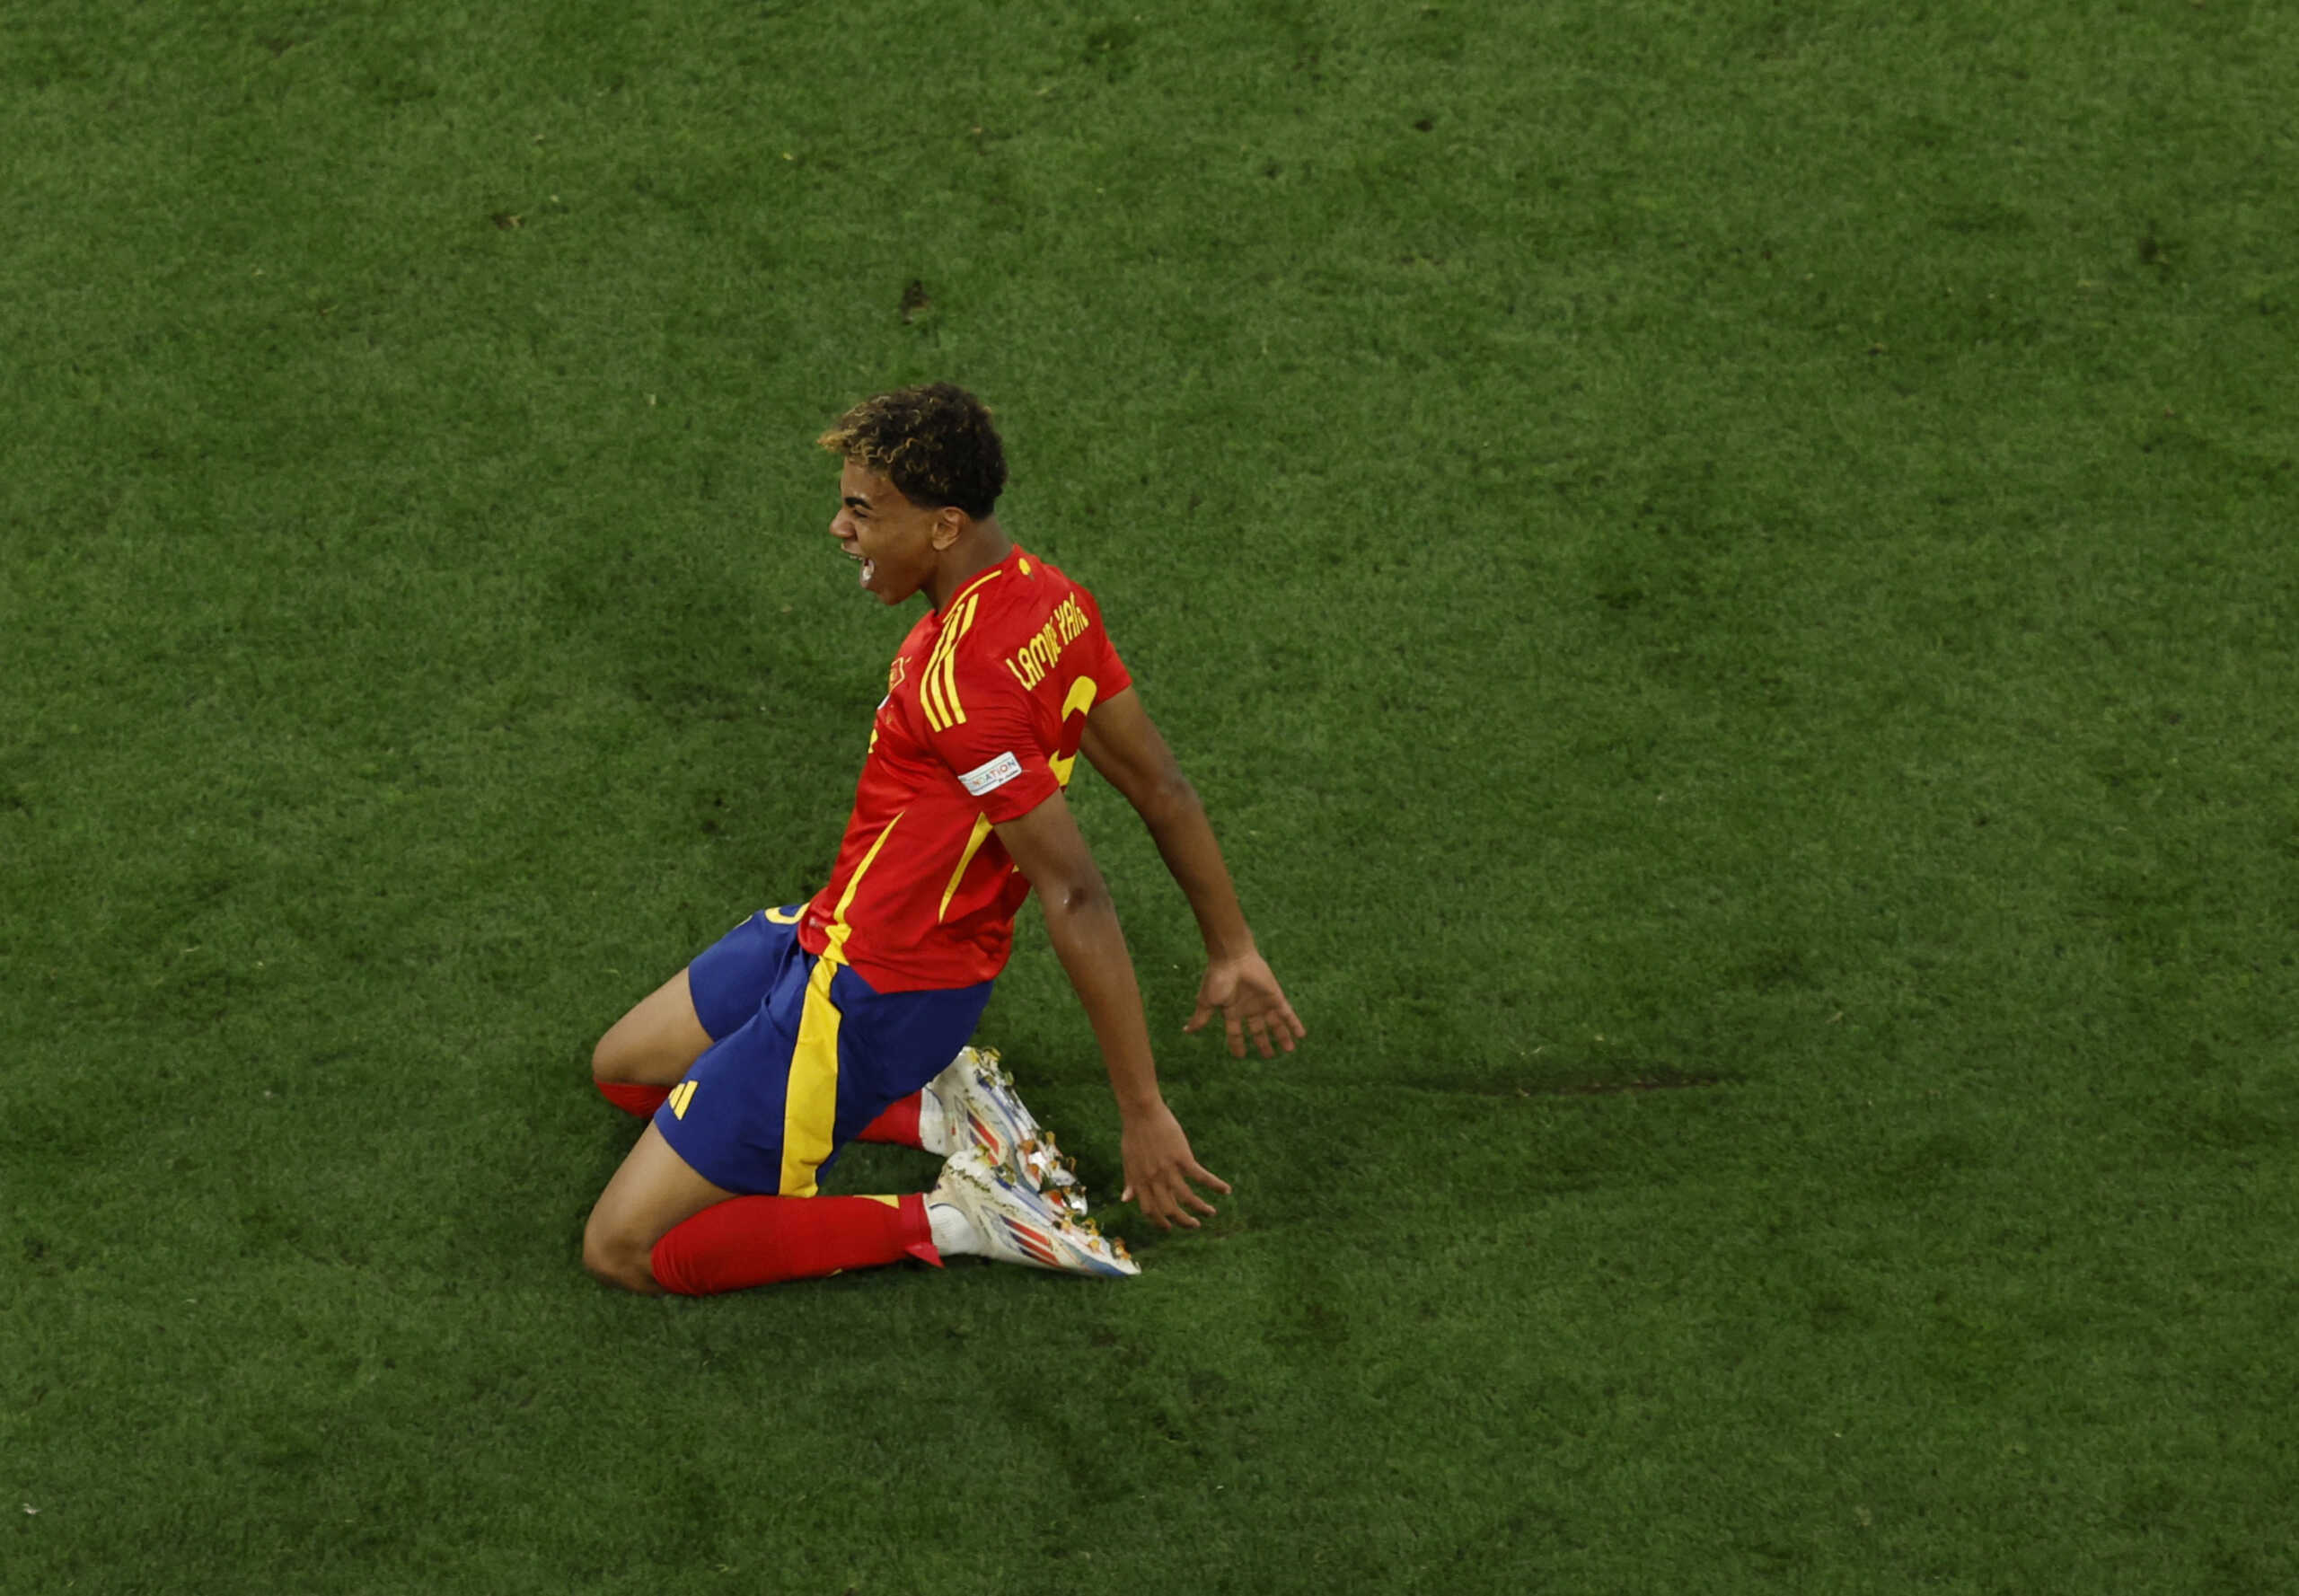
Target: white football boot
(1003,1219)
(981,1108)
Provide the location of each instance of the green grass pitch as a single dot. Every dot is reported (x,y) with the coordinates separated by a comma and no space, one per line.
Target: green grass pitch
(1725,571)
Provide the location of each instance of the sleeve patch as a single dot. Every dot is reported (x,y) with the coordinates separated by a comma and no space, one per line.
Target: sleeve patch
(990,777)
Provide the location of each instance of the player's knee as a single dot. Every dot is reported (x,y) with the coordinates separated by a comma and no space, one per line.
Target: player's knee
(616,1259)
(606,1060)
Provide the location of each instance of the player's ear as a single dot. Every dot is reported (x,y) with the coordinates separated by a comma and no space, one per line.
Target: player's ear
(949,523)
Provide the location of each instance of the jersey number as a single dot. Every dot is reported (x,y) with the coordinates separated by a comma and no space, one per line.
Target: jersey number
(1080,702)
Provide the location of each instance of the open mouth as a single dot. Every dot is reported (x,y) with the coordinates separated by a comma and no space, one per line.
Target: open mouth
(869,566)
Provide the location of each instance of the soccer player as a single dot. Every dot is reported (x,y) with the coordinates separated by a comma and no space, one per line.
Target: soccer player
(846,1017)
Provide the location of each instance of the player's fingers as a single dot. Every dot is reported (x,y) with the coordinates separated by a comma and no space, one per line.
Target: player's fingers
(1197,1020)
(1156,1203)
(1236,1030)
(1177,1194)
(1205,1176)
(1261,1036)
(1162,1209)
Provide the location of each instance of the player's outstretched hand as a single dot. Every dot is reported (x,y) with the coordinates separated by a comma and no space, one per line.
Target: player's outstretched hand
(1246,991)
(1159,1167)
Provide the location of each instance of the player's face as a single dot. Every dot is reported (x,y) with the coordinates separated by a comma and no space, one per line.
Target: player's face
(891,536)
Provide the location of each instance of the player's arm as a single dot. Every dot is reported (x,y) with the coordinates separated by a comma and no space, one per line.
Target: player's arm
(1123,743)
(1081,922)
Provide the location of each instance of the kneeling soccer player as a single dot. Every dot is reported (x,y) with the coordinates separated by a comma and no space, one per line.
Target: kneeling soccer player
(847,1018)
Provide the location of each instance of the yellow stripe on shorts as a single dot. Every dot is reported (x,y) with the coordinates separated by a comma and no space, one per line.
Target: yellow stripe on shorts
(810,1094)
(810,1098)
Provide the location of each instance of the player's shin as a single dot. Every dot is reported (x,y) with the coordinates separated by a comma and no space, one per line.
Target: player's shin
(901,1123)
(751,1241)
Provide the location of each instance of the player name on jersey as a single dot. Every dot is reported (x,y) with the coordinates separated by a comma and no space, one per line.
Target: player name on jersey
(1032,661)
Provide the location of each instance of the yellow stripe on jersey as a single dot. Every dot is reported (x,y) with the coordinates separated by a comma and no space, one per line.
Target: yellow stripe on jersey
(929,679)
(926,700)
(950,661)
(974,846)
(939,692)
(810,1096)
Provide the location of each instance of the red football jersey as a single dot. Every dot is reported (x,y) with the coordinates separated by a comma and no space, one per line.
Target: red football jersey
(985,705)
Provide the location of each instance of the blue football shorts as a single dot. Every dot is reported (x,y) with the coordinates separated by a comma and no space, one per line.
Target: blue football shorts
(804,1053)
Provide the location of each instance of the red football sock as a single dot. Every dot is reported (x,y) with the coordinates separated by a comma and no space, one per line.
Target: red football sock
(897,1126)
(747,1241)
(631,1097)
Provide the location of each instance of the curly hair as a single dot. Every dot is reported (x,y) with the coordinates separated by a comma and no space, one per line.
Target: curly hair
(935,443)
